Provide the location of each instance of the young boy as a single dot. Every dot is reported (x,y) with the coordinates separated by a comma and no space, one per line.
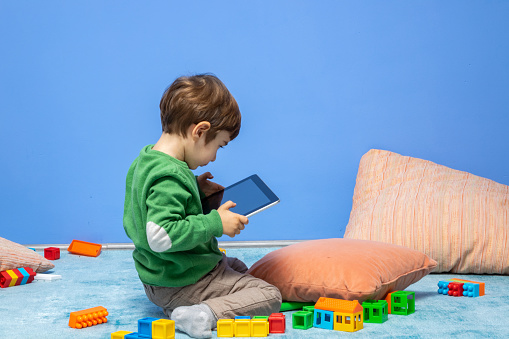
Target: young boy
(176,252)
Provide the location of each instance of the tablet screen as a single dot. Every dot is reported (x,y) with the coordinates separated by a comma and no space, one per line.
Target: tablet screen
(251,195)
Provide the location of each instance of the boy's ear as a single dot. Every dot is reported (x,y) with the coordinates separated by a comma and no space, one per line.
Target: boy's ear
(200,129)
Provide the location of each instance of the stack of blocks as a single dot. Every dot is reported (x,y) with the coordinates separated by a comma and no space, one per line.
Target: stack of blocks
(16,277)
(244,326)
(149,328)
(459,287)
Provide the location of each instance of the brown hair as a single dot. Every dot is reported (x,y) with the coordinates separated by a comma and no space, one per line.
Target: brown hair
(203,97)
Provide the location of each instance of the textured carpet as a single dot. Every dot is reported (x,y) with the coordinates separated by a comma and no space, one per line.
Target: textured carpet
(41,309)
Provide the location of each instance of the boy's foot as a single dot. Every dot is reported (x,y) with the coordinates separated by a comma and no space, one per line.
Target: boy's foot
(197,320)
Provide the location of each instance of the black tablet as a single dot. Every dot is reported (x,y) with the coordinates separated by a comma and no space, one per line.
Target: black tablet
(251,195)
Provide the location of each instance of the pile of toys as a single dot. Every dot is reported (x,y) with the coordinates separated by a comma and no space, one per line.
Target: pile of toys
(149,328)
(244,326)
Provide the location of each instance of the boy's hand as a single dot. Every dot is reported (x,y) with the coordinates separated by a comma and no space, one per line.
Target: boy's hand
(208,187)
(233,223)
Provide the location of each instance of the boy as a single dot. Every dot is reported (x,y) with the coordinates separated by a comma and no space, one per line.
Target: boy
(176,252)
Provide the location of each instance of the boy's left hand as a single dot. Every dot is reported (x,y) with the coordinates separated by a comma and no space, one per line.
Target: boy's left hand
(208,187)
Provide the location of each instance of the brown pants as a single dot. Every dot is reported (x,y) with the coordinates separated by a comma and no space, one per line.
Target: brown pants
(227,290)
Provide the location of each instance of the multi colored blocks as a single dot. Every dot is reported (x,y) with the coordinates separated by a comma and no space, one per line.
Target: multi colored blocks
(149,328)
(461,288)
(16,277)
(338,315)
(89,317)
(243,327)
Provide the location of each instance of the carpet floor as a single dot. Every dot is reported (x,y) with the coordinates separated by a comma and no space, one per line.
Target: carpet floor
(41,309)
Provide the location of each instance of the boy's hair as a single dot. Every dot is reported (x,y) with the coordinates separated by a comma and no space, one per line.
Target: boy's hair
(203,97)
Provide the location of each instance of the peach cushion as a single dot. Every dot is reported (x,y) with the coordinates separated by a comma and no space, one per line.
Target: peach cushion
(13,255)
(341,268)
(458,219)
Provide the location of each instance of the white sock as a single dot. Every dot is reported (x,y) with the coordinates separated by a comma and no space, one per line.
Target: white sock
(196,320)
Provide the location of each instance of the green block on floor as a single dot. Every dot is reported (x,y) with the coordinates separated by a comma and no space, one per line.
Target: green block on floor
(302,320)
(375,311)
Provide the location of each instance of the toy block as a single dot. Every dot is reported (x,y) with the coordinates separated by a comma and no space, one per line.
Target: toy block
(52,253)
(302,320)
(388,298)
(119,334)
(242,317)
(89,317)
(242,328)
(470,290)
(133,335)
(19,276)
(259,328)
(375,311)
(225,328)
(163,329)
(31,248)
(264,317)
(145,327)
(28,275)
(443,287)
(5,279)
(309,308)
(84,248)
(47,277)
(294,305)
(402,302)
(222,250)
(455,289)
(348,322)
(277,323)
(323,319)
(481,284)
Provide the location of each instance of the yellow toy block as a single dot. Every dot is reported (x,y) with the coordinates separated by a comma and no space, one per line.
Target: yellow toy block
(259,328)
(163,329)
(13,276)
(242,328)
(225,328)
(348,322)
(119,334)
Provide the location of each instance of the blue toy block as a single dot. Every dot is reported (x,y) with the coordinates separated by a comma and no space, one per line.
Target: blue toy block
(26,276)
(134,335)
(242,317)
(324,319)
(443,287)
(470,290)
(145,327)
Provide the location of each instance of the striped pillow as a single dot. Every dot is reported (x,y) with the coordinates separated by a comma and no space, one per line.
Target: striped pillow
(458,219)
(13,255)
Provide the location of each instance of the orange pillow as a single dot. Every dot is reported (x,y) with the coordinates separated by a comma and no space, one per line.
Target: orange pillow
(341,268)
(458,219)
(13,255)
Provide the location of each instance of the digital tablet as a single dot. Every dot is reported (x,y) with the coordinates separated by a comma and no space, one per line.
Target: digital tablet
(251,195)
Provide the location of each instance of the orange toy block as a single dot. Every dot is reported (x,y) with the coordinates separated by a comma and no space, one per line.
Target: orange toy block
(388,299)
(89,317)
(84,248)
(481,284)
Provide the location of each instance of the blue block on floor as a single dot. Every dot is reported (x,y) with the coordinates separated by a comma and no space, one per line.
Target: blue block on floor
(145,327)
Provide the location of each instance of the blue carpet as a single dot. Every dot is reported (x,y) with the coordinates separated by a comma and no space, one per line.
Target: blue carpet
(41,309)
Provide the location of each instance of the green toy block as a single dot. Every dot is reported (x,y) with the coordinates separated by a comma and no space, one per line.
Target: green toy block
(302,320)
(375,311)
(293,305)
(263,317)
(402,302)
(309,308)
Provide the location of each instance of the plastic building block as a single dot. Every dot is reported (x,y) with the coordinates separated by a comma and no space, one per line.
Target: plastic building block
(481,284)
(89,317)
(119,334)
(84,248)
(259,328)
(133,335)
(348,322)
(309,308)
(291,306)
(302,320)
(242,317)
(225,328)
(455,289)
(163,329)
(16,277)
(388,298)
(47,277)
(52,253)
(323,319)
(443,287)
(277,323)
(264,317)
(375,311)
(402,302)
(242,328)
(31,248)
(222,250)
(145,326)
(470,290)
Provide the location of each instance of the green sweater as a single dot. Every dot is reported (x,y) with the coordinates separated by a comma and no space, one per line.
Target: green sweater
(175,243)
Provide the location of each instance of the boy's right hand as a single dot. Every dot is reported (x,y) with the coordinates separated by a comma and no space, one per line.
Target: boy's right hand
(233,223)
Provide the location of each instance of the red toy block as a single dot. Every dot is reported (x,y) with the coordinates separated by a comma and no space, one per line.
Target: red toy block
(18,276)
(5,279)
(52,253)
(455,289)
(481,284)
(277,323)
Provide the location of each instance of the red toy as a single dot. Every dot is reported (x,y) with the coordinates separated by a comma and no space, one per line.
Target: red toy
(277,323)
(18,276)
(455,289)
(52,253)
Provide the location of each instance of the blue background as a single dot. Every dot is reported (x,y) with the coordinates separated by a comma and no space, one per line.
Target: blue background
(319,83)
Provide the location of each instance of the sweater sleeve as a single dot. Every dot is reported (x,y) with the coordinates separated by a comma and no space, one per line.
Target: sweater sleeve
(169,228)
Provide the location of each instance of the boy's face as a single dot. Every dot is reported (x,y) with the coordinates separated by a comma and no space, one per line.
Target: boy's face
(202,153)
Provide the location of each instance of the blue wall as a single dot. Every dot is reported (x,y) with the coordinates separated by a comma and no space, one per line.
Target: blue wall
(318,83)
